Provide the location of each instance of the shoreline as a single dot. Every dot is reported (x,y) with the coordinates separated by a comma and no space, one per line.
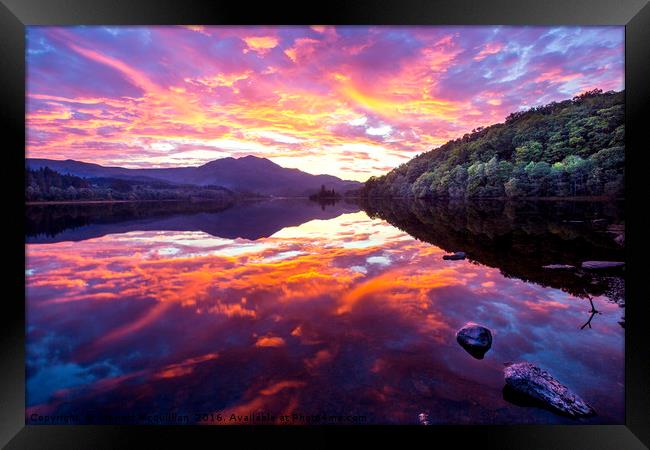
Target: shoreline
(95,202)
(81,202)
(504,199)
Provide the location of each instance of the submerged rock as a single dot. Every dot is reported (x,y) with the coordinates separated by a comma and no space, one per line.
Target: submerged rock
(455,256)
(475,339)
(530,381)
(559,266)
(423,418)
(601,264)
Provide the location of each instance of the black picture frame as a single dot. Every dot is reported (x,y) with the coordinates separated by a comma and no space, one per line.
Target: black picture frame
(16,14)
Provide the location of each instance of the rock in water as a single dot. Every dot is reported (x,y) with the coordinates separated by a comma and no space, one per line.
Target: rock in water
(474,338)
(602,264)
(455,256)
(528,379)
(559,266)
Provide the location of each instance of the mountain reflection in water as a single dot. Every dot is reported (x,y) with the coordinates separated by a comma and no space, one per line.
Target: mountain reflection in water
(290,306)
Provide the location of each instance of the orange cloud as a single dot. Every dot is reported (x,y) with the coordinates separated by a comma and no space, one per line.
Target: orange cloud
(302,48)
(261,44)
(269,341)
(185,367)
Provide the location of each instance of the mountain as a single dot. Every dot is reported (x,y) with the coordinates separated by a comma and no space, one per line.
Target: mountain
(247,174)
(568,149)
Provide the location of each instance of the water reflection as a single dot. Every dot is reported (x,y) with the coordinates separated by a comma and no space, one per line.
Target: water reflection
(520,238)
(250,220)
(336,312)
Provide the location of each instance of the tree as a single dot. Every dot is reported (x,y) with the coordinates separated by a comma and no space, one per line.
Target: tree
(512,188)
(539,176)
(559,180)
(530,151)
(578,169)
(457,185)
(475,179)
(423,185)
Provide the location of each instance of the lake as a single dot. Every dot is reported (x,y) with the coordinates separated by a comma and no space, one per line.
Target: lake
(293,311)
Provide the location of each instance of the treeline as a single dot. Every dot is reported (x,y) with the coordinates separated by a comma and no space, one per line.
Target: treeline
(564,149)
(325,194)
(46,184)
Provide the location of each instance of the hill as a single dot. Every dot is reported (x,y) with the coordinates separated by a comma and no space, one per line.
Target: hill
(249,174)
(572,148)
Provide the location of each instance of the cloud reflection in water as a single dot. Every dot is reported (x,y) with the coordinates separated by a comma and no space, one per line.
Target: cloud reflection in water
(344,316)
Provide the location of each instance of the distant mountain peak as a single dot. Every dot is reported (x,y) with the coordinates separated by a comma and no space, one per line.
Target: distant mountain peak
(250,160)
(256,159)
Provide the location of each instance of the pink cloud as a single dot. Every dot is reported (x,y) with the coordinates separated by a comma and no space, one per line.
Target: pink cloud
(491,48)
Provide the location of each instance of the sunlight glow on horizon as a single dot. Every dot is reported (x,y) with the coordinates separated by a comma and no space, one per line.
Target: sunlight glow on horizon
(351,101)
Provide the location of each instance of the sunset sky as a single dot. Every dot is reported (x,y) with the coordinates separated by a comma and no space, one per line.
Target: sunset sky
(348,101)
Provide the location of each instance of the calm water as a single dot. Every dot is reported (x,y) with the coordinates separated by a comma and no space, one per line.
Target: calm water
(172,313)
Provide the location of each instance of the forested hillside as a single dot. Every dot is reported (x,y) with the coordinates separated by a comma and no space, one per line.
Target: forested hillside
(565,149)
(46,184)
